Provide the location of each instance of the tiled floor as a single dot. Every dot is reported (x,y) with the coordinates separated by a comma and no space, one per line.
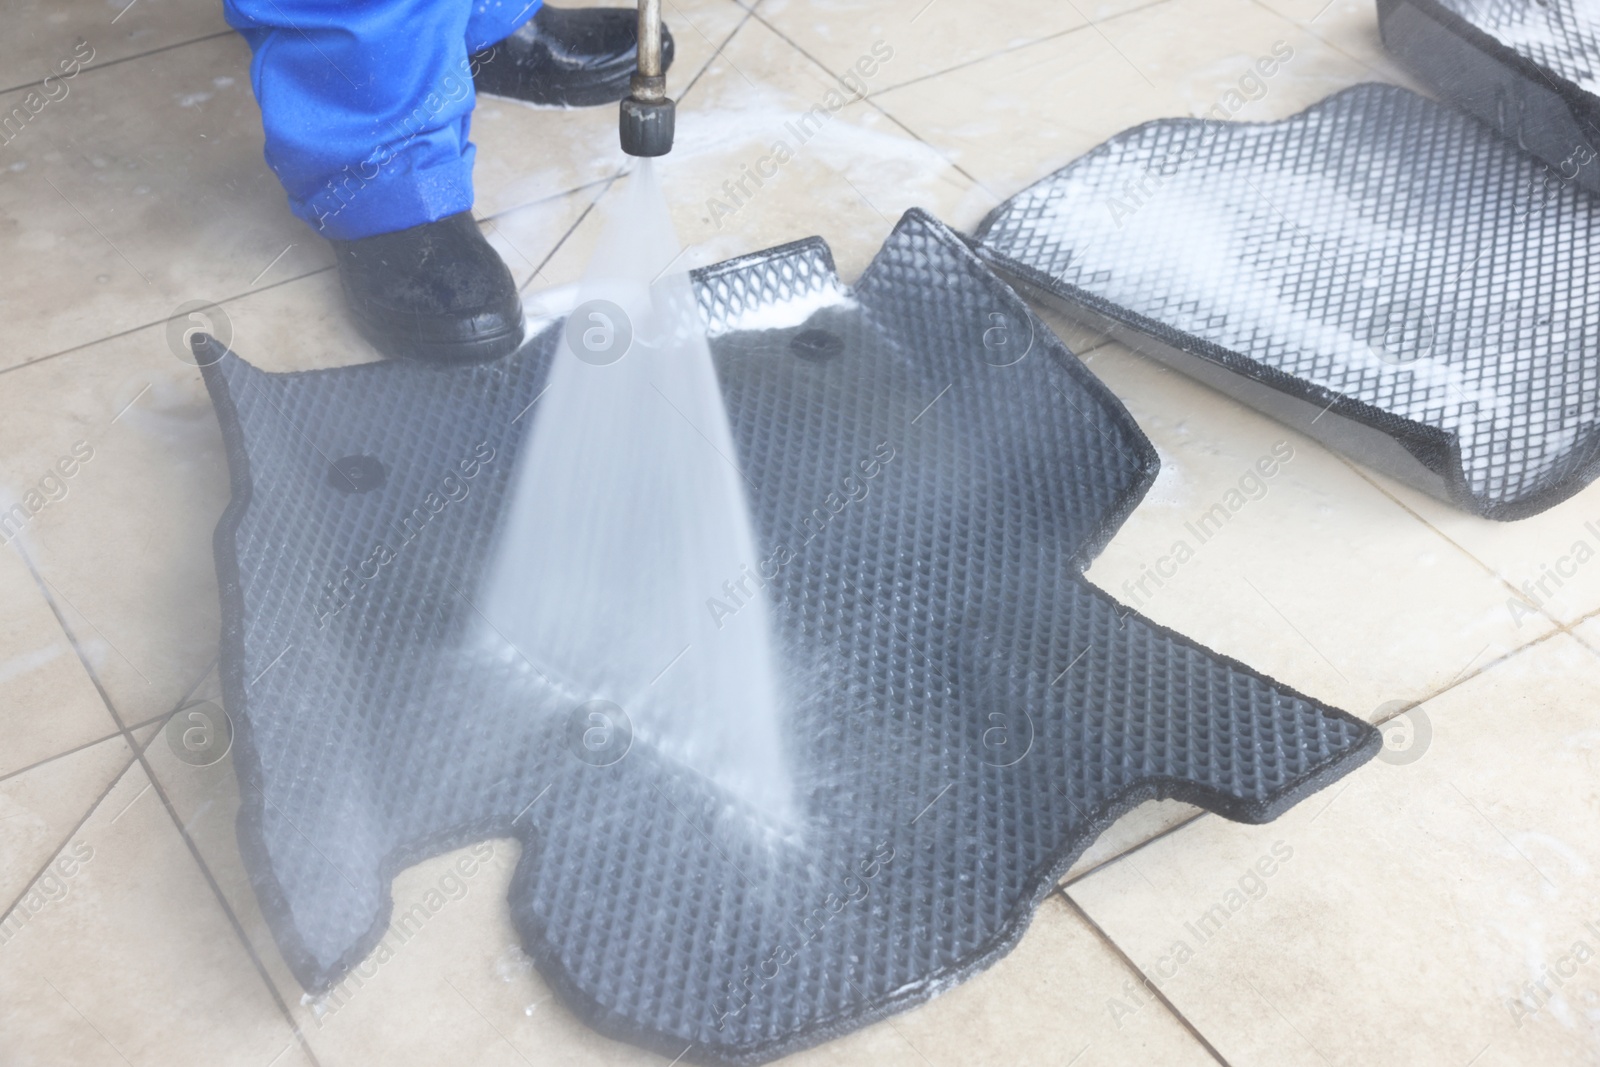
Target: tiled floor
(1423,911)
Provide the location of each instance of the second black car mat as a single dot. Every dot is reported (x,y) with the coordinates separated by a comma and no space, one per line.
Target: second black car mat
(932,469)
(1381,272)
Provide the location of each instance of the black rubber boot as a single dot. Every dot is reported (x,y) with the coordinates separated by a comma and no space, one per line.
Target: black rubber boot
(435,292)
(578,57)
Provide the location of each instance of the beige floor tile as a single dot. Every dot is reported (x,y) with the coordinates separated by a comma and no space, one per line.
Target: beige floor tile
(849,181)
(1351,27)
(41,806)
(141,190)
(133,961)
(126,554)
(1410,916)
(1551,561)
(1314,577)
(925,36)
(1015,118)
(41,34)
(1045,1003)
(528,153)
(48,704)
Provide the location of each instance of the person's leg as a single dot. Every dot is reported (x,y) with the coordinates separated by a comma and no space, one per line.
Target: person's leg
(365,108)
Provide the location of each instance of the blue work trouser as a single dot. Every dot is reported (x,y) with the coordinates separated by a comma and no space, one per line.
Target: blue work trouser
(366,103)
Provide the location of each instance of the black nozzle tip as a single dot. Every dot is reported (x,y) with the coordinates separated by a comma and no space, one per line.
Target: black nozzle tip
(647,126)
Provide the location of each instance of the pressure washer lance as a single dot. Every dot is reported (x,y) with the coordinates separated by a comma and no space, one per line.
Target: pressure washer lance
(647,118)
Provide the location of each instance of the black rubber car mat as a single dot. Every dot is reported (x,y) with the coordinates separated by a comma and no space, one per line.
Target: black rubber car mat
(931,468)
(1529,68)
(1375,271)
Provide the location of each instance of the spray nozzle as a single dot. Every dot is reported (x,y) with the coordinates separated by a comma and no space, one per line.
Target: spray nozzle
(648,116)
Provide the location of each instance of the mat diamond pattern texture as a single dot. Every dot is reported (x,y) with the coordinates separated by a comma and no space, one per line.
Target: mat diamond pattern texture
(933,469)
(1379,271)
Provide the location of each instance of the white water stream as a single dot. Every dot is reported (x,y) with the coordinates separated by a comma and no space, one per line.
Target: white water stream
(628,515)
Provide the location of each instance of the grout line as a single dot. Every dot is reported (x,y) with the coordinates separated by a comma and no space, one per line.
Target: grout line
(1365,475)
(1150,985)
(72,640)
(1081,352)
(92,808)
(147,325)
(749,13)
(1015,48)
(96,67)
(1113,45)
(79,748)
(493,220)
(227,909)
(513,209)
(132,759)
(140,759)
(952,164)
(1573,633)
(868,100)
(565,237)
(1073,879)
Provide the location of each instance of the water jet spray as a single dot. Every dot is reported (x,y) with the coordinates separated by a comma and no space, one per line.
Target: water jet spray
(648,115)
